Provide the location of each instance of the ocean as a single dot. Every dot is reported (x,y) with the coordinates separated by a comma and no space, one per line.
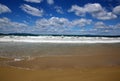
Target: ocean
(32,46)
(60,39)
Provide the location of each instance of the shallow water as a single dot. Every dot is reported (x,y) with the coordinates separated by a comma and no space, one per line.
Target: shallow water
(15,49)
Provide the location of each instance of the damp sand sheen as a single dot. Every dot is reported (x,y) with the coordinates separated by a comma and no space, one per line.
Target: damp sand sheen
(21,61)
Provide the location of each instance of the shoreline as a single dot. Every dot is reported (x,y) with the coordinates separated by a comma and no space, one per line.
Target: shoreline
(60,42)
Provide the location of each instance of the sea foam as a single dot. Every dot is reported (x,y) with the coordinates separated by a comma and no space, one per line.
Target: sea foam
(59,39)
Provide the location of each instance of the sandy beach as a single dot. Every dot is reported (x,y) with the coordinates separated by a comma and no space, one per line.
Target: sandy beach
(59,40)
(60,62)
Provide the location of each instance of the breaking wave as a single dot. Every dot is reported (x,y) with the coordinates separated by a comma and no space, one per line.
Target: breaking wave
(59,39)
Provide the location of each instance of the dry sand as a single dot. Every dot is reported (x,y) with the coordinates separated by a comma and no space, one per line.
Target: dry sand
(101,64)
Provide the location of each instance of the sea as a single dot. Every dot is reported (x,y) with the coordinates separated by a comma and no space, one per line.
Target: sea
(60,38)
(19,46)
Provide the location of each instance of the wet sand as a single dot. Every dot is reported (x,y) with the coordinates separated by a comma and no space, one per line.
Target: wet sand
(80,74)
(92,62)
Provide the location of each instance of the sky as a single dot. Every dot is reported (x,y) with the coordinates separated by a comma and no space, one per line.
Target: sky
(72,17)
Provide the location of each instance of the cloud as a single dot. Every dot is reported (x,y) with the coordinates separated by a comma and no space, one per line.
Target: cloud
(52,22)
(81,22)
(50,2)
(34,1)
(7,25)
(100,25)
(95,9)
(79,11)
(59,9)
(4,9)
(116,10)
(61,25)
(117,25)
(99,12)
(105,15)
(31,10)
(58,25)
(62,22)
(4,22)
(51,25)
(102,28)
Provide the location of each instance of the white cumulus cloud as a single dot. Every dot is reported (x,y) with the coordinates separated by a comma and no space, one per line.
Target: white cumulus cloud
(116,10)
(103,27)
(34,1)
(95,9)
(59,9)
(7,25)
(5,22)
(79,11)
(52,22)
(50,2)
(60,25)
(99,12)
(4,9)
(62,22)
(100,25)
(31,10)
(81,22)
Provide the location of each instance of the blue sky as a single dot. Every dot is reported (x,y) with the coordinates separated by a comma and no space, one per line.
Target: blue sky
(97,17)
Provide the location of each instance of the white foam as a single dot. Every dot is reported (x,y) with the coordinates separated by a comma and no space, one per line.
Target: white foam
(59,39)
(17,59)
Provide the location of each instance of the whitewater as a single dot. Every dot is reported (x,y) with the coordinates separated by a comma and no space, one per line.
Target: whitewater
(59,39)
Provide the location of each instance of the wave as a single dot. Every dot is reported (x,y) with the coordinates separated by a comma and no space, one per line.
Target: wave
(59,39)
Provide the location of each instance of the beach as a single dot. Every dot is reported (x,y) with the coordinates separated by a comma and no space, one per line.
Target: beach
(59,62)
(59,40)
